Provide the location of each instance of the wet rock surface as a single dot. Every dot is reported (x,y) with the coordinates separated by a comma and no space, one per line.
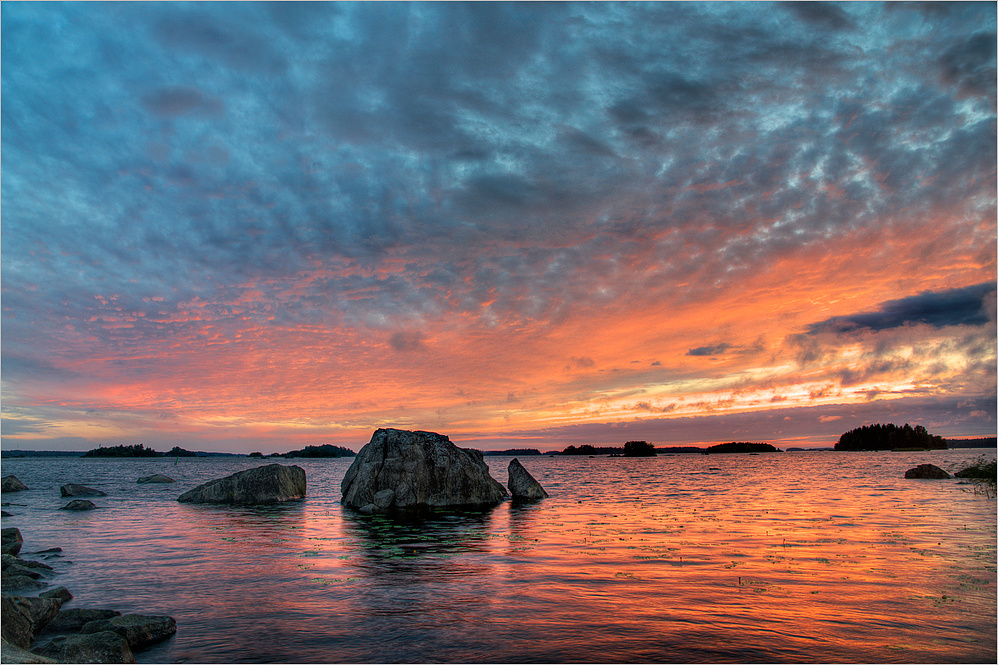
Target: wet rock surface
(927,471)
(522,485)
(274,483)
(72,489)
(405,471)
(12,484)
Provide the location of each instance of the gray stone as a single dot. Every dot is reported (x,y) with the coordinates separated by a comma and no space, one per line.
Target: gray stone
(79,504)
(155,478)
(15,621)
(105,647)
(14,584)
(12,484)
(73,619)
(60,592)
(10,541)
(927,471)
(522,485)
(138,629)
(12,654)
(72,489)
(273,483)
(403,471)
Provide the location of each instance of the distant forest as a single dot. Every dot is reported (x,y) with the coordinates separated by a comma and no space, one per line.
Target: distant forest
(511,451)
(324,451)
(630,449)
(889,437)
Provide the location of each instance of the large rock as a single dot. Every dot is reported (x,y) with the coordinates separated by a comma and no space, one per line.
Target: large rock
(12,654)
(928,471)
(273,483)
(10,541)
(72,489)
(522,485)
(15,621)
(155,478)
(403,471)
(12,484)
(73,619)
(104,647)
(79,504)
(138,630)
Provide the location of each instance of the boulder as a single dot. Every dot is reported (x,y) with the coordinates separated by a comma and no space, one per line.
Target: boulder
(12,654)
(155,478)
(928,471)
(12,484)
(273,483)
(105,647)
(138,630)
(79,504)
(15,621)
(403,471)
(522,485)
(72,489)
(72,620)
(60,592)
(20,583)
(10,541)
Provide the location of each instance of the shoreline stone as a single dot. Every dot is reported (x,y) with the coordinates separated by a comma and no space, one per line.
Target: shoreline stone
(12,484)
(927,472)
(72,489)
(155,478)
(79,504)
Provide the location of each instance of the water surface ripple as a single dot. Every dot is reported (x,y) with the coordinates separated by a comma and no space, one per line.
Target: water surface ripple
(793,557)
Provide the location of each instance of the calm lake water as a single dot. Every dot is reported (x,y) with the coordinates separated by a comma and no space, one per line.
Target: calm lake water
(793,557)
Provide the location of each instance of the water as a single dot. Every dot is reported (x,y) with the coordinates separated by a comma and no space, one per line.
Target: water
(793,557)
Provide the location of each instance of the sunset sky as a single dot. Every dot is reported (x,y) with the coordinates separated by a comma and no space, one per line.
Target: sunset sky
(237,227)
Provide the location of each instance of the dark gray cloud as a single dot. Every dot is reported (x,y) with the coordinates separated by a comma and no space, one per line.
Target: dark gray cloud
(967,306)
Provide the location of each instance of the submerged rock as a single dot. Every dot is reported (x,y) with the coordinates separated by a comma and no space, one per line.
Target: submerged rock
(10,541)
(522,485)
(72,489)
(404,471)
(273,483)
(155,478)
(79,504)
(927,471)
(12,484)
(138,629)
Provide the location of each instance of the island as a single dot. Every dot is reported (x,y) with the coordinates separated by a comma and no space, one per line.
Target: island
(742,447)
(890,437)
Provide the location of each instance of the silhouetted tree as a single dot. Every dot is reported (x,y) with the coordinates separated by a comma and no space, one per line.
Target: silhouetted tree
(639,449)
(889,437)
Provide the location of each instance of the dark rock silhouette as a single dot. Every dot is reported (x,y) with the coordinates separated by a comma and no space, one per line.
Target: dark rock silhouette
(155,478)
(273,483)
(103,647)
(72,489)
(11,541)
(522,485)
(404,471)
(12,484)
(927,471)
(79,504)
(138,630)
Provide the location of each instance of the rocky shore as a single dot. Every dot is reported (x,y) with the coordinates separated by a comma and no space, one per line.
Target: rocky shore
(37,628)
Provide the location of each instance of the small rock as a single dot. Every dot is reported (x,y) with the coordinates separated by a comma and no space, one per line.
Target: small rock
(4,513)
(73,489)
(60,592)
(12,484)
(79,504)
(522,485)
(105,647)
(155,478)
(10,541)
(927,471)
(139,630)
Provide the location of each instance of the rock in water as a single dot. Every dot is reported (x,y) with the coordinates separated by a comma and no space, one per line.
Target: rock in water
(104,647)
(155,478)
(273,483)
(522,485)
(930,471)
(12,484)
(79,504)
(403,471)
(72,489)
(137,629)
(12,541)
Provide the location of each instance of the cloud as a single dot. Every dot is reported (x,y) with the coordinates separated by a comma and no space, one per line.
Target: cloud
(407,341)
(964,306)
(713,350)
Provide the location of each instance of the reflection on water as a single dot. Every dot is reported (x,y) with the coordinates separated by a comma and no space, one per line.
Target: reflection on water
(791,557)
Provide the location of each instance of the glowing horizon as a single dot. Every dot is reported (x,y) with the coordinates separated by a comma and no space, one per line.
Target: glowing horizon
(268,226)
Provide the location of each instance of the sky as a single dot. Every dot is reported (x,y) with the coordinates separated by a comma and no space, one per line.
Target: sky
(238,227)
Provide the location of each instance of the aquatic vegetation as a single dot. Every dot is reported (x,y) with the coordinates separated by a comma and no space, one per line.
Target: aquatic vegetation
(982,473)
